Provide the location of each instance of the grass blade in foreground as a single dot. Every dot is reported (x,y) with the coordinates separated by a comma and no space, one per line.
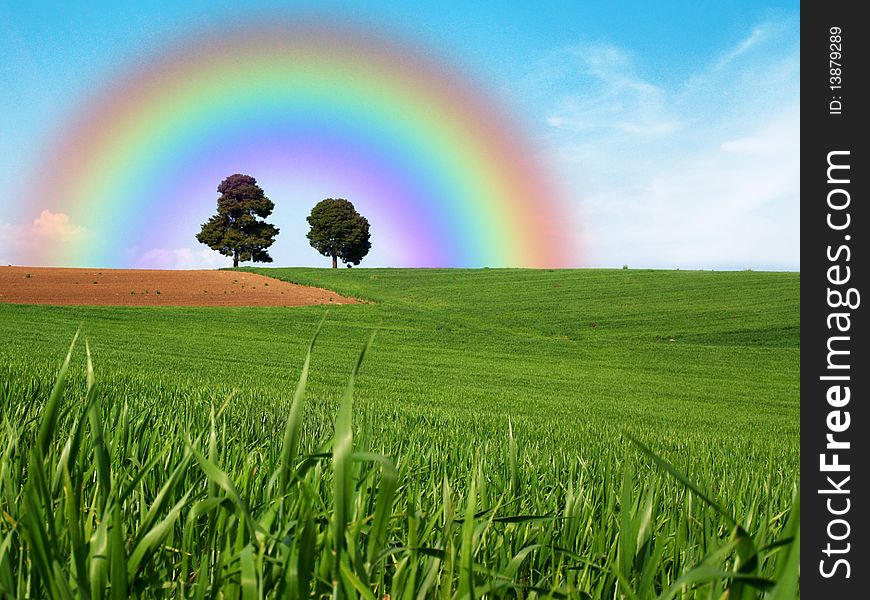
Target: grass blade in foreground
(744,582)
(294,418)
(341,464)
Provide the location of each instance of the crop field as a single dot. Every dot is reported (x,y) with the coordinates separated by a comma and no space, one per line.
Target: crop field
(508,433)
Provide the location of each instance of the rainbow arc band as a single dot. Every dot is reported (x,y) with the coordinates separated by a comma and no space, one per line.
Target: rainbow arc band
(421,150)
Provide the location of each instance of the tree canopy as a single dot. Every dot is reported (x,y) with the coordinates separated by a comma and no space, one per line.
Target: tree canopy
(239,229)
(339,231)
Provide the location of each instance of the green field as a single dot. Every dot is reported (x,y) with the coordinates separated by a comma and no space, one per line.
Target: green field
(490,451)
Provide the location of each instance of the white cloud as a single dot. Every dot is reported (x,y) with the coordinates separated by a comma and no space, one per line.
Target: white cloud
(49,234)
(613,96)
(756,36)
(714,208)
(53,226)
(702,173)
(182,258)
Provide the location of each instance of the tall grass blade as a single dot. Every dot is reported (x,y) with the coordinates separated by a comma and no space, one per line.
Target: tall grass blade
(162,499)
(384,504)
(466,549)
(293,427)
(98,441)
(341,463)
(49,413)
(155,535)
(223,481)
(788,567)
(78,549)
(673,472)
(512,460)
(305,561)
(248,574)
(98,558)
(117,556)
(7,581)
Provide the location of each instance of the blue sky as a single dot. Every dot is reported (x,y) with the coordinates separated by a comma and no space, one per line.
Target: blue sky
(675,125)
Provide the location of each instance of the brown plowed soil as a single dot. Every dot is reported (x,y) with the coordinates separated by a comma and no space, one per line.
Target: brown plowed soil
(128,287)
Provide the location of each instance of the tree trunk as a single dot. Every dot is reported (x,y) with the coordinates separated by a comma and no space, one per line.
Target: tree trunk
(334,259)
(236,259)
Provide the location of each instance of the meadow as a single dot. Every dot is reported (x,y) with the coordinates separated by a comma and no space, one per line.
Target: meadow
(509,433)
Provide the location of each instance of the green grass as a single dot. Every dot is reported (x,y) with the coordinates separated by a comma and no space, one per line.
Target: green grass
(485,446)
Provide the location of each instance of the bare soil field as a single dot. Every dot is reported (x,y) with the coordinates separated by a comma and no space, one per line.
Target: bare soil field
(131,287)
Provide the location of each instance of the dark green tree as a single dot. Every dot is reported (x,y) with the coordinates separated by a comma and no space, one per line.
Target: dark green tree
(238,228)
(337,230)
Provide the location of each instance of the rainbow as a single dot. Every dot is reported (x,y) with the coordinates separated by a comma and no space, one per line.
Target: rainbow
(443,175)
